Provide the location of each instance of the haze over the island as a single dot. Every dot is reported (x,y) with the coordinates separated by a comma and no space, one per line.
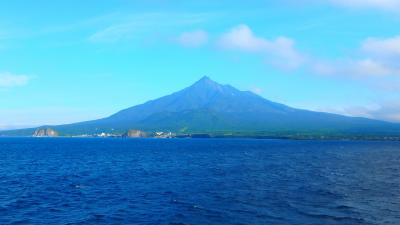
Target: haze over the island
(71,61)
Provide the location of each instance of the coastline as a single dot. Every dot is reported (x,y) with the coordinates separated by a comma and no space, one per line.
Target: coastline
(294,138)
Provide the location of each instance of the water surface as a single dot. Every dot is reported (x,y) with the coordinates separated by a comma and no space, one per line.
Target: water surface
(198,181)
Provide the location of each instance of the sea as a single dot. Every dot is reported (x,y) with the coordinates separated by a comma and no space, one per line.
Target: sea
(198,181)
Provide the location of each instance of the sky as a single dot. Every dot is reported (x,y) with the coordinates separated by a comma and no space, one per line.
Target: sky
(70,61)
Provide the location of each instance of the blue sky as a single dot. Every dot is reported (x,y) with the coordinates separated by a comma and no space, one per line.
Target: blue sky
(68,61)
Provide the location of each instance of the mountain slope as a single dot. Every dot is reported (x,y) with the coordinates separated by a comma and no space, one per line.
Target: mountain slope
(208,107)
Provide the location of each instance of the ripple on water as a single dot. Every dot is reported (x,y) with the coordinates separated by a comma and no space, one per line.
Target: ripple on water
(119,181)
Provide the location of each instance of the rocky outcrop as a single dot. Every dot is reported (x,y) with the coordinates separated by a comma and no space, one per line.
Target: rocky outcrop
(136,134)
(45,132)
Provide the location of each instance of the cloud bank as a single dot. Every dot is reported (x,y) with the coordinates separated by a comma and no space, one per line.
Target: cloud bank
(376,57)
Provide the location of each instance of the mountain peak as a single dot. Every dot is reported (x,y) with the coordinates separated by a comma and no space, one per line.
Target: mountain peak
(206,80)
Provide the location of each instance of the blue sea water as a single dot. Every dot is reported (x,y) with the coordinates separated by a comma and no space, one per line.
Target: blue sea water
(198,181)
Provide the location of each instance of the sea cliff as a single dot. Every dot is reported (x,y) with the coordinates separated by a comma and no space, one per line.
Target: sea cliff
(45,132)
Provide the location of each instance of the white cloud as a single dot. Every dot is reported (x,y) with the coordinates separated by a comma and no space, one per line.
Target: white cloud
(376,57)
(257,90)
(370,67)
(387,111)
(8,80)
(241,37)
(193,39)
(390,5)
(279,51)
(383,47)
(384,110)
(360,68)
(124,27)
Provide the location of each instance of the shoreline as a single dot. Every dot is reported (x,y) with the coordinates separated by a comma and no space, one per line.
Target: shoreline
(388,139)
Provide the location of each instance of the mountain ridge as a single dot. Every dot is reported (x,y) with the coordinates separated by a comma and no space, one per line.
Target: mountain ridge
(209,107)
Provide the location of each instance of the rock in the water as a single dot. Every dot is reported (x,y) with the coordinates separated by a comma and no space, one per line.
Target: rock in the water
(135,134)
(45,132)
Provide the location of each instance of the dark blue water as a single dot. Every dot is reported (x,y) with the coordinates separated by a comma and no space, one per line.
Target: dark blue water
(204,181)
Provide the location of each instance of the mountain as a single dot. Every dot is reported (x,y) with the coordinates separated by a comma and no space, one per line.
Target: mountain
(212,108)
